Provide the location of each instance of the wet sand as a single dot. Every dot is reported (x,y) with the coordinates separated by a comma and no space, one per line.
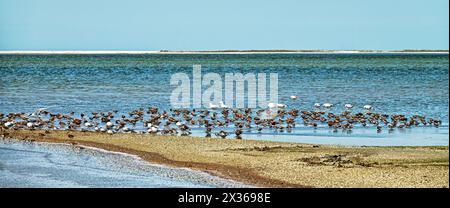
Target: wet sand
(54,165)
(273,164)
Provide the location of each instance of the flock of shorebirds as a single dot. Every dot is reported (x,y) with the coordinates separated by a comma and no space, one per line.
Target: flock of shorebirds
(214,121)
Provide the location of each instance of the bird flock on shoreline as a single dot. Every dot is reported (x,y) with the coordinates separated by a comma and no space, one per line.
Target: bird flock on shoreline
(218,120)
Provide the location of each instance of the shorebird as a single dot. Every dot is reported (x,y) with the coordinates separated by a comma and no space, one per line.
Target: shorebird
(348,106)
(126,129)
(238,133)
(367,107)
(213,106)
(317,105)
(276,105)
(9,124)
(153,129)
(293,97)
(222,134)
(272,105)
(379,128)
(222,105)
(327,105)
(39,111)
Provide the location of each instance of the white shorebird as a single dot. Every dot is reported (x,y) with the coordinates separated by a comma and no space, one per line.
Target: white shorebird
(37,112)
(9,124)
(110,132)
(276,105)
(30,125)
(327,105)
(293,97)
(317,105)
(367,107)
(222,105)
(213,106)
(178,123)
(125,129)
(109,125)
(153,129)
(87,124)
(348,106)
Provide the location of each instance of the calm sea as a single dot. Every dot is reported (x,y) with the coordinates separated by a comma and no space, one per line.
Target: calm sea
(406,84)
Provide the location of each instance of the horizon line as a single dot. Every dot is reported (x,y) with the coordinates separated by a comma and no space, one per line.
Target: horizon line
(302,51)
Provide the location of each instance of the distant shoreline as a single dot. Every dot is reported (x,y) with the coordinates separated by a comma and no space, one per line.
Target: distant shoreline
(235,52)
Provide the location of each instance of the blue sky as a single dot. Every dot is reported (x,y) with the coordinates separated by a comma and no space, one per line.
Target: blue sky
(219,25)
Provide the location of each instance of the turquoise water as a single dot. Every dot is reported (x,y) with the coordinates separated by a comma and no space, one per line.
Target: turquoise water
(393,84)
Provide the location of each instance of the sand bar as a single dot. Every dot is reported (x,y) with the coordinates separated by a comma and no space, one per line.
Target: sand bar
(273,164)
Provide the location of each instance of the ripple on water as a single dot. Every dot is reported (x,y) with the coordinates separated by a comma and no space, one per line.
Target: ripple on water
(25,164)
(393,84)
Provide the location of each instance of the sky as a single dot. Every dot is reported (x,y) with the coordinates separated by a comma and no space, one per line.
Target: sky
(223,25)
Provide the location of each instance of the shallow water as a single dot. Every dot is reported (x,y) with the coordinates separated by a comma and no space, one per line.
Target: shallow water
(394,84)
(420,136)
(37,165)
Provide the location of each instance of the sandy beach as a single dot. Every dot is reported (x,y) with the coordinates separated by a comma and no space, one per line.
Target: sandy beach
(272,164)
